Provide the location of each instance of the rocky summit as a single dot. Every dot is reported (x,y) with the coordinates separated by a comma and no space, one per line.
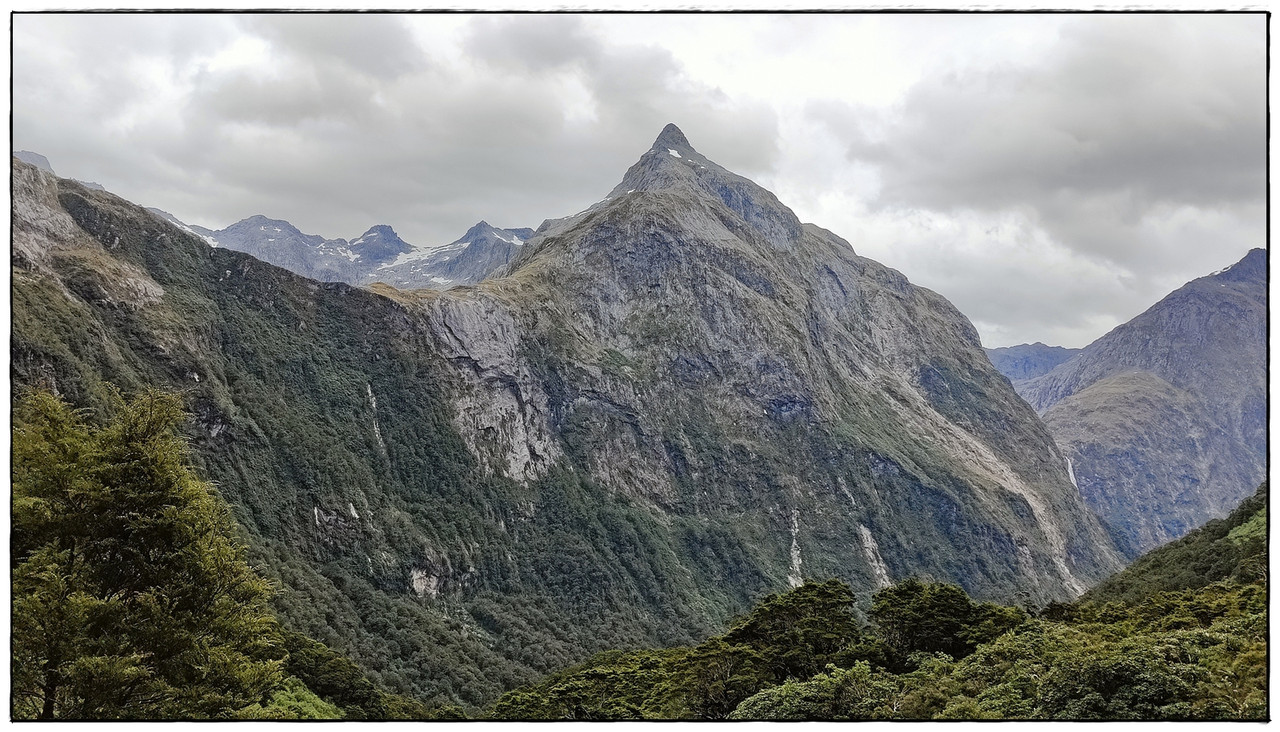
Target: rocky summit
(1164,418)
(657,411)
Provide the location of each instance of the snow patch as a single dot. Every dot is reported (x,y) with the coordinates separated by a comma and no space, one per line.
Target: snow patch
(674,154)
(1071,473)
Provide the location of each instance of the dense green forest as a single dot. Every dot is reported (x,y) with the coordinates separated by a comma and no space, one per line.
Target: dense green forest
(132,596)
(1179,635)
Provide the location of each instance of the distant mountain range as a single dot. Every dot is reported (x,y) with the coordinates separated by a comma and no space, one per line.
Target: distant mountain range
(1163,418)
(378,255)
(480,252)
(1028,360)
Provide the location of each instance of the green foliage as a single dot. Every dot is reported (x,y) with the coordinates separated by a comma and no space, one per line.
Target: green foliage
(1234,547)
(918,617)
(717,676)
(855,693)
(131,599)
(1195,654)
(800,632)
(612,685)
(292,701)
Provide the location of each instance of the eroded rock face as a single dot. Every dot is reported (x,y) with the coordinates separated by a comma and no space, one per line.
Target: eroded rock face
(502,411)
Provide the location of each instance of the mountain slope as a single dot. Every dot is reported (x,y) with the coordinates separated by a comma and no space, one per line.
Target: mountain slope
(671,404)
(1226,548)
(1164,418)
(1028,360)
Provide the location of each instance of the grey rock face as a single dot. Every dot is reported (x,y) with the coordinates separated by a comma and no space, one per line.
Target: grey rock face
(1028,360)
(1197,363)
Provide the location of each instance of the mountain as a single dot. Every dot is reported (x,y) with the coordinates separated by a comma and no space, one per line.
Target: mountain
(664,407)
(378,255)
(35,159)
(1164,418)
(280,243)
(1234,547)
(477,254)
(378,245)
(689,343)
(1028,360)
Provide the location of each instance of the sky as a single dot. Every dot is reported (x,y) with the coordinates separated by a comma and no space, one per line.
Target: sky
(1051,175)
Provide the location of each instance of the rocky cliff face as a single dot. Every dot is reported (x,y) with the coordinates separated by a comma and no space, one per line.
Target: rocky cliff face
(1164,418)
(670,404)
(1028,360)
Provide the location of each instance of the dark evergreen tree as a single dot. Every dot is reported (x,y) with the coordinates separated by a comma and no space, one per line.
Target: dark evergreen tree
(131,598)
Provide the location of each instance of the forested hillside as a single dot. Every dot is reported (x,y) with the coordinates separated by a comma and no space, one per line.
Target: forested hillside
(1179,635)
(132,597)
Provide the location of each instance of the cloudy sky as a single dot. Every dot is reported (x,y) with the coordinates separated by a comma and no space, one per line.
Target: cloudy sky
(1052,175)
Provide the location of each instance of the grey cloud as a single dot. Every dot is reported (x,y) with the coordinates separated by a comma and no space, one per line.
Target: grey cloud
(376,45)
(1124,114)
(532,43)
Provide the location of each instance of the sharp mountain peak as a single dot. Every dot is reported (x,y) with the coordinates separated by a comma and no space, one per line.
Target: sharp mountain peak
(672,137)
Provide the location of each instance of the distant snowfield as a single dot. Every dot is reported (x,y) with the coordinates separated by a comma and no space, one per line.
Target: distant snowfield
(421,252)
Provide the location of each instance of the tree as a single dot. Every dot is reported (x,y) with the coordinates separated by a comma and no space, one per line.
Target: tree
(131,598)
(716,676)
(799,632)
(914,616)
